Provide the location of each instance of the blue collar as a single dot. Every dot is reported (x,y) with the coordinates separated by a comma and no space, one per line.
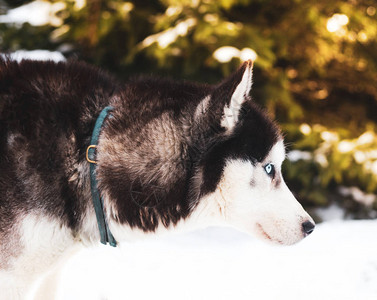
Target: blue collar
(106,236)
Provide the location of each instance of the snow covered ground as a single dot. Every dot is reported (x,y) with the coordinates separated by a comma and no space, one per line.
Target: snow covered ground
(36,55)
(338,261)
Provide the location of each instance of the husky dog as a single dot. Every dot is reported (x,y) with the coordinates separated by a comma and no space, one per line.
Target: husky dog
(170,155)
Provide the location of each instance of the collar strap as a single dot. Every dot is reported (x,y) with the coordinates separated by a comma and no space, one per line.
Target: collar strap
(106,236)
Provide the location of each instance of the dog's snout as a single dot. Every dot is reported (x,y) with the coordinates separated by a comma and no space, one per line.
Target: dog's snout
(308,227)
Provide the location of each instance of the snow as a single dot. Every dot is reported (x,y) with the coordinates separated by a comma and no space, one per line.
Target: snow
(338,261)
(333,212)
(37,55)
(358,195)
(37,13)
(296,155)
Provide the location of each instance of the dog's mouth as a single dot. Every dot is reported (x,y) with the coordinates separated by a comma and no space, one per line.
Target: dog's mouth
(267,236)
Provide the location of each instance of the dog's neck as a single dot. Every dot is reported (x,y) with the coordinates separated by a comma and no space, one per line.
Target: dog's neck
(207,213)
(88,228)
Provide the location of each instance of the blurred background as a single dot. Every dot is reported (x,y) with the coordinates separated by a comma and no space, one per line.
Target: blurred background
(315,71)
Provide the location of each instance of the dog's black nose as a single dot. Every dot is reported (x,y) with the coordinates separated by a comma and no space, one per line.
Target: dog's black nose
(308,227)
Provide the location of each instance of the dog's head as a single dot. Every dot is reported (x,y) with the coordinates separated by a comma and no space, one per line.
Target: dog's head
(241,166)
(172,151)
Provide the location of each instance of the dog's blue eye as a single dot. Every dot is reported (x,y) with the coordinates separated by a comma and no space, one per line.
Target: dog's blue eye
(270,170)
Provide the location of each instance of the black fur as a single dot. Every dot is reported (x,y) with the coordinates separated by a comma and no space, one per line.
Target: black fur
(252,140)
(47,114)
(44,105)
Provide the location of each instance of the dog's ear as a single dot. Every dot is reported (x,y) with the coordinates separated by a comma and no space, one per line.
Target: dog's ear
(225,102)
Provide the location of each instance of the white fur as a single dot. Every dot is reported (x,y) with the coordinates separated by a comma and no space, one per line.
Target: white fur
(240,95)
(206,214)
(255,205)
(35,230)
(202,108)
